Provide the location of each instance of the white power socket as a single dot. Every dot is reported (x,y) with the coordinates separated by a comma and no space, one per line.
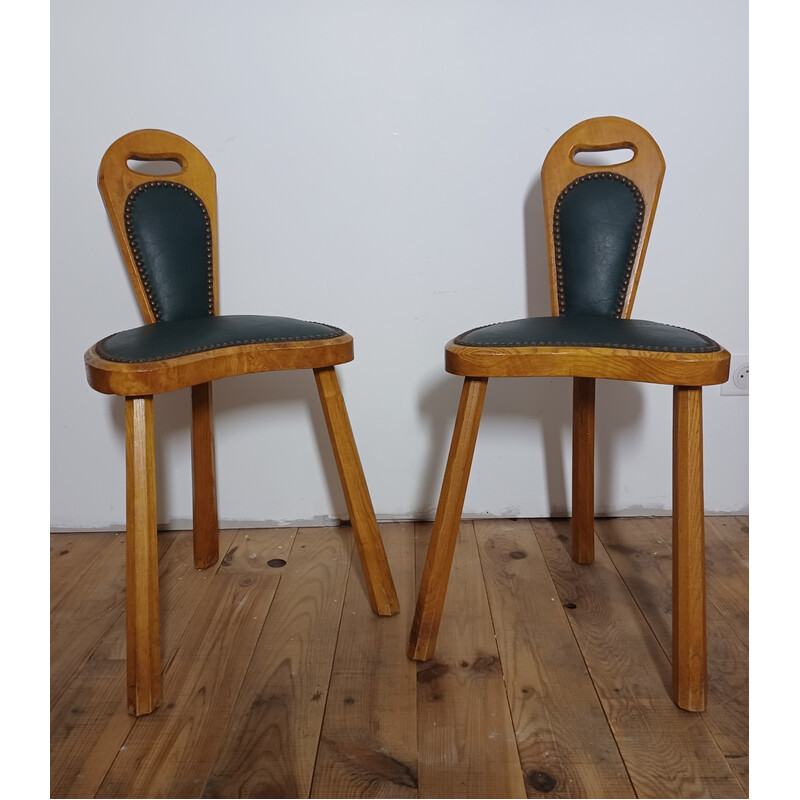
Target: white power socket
(739,380)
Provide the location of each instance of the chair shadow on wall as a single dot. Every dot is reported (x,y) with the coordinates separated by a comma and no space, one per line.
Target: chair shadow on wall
(261,391)
(257,396)
(548,402)
(260,394)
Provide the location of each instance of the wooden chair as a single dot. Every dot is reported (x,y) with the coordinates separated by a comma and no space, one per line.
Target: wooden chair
(598,222)
(166,228)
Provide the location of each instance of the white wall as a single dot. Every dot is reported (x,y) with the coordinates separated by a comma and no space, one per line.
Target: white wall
(378,169)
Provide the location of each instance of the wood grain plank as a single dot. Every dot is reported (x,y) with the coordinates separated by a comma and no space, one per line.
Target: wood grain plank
(368,746)
(464,728)
(84,617)
(735,531)
(565,744)
(741,768)
(641,550)
(252,550)
(727,560)
(170,754)
(88,725)
(181,586)
(667,752)
(271,742)
(71,557)
(625,650)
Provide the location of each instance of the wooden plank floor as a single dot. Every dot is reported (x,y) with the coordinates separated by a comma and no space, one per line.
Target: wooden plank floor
(549,679)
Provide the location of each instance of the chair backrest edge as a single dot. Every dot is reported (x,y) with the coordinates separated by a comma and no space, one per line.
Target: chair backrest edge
(645,170)
(116,181)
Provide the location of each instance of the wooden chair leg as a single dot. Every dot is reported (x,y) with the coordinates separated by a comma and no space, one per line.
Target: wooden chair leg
(689,670)
(583,392)
(377,575)
(436,573)
(144,654)
(204,480)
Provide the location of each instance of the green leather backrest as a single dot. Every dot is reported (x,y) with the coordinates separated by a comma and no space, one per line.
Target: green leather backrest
(596,226)
(170,234)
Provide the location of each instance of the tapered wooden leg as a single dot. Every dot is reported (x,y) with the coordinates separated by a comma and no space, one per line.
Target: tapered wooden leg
(144,654)
(377,576)
(204,479)
(583,470)
(689,671)
(439,559)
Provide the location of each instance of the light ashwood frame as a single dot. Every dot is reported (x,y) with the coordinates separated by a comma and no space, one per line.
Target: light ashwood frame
(117,180)
(645,169)
(686,372)
(138,382)
(154,377)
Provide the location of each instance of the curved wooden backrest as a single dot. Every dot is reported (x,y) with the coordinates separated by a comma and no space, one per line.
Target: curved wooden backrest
(166,225)
(598,218)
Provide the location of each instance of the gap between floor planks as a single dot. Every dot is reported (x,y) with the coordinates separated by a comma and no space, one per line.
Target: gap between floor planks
(281,682)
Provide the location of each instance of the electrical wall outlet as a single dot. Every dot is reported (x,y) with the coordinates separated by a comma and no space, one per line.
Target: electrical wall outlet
(739,379)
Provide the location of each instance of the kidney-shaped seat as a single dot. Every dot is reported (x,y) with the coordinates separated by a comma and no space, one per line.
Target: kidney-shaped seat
(166,228)
(598,222)
(594,347)
(180,353)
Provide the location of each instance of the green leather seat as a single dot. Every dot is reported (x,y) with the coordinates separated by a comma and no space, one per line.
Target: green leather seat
(163,340)
(626,334)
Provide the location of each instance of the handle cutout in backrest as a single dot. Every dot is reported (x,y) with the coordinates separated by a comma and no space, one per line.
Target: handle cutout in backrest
(603,157)
(154,166)
(641,174)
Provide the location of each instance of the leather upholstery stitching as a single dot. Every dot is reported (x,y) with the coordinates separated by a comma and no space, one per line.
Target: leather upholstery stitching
(104,354)
(634,243)
(711,348)
(137,256)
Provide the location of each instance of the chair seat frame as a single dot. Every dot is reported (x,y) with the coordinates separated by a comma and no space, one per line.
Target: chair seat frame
(686,372)
(139,382)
